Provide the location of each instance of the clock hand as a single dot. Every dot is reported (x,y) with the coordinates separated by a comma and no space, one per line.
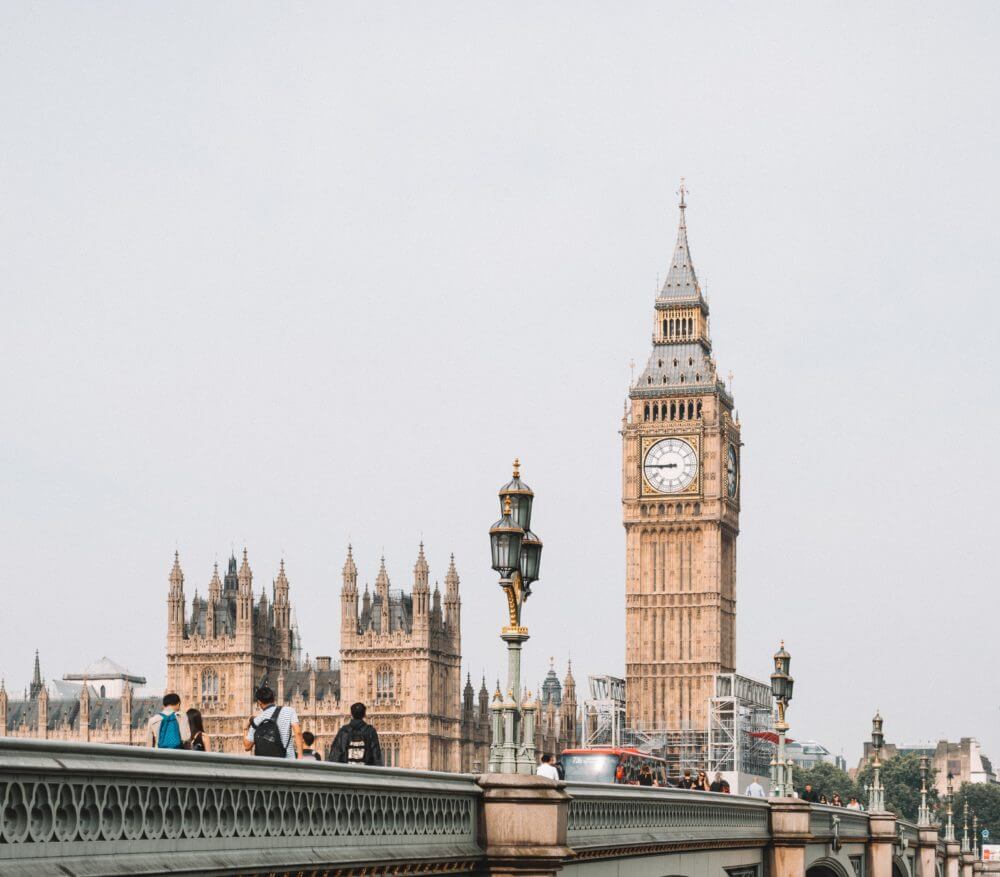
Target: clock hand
(661,465)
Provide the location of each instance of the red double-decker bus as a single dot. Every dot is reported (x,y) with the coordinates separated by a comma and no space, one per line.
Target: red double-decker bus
(611,765)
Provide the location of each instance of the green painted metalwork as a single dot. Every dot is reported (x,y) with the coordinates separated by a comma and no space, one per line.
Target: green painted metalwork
(73,808)
(606,817)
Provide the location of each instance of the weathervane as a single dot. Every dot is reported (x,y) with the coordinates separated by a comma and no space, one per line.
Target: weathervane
(682,191)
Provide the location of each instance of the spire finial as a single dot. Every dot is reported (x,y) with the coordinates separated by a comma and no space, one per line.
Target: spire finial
(682,191)
(517,467)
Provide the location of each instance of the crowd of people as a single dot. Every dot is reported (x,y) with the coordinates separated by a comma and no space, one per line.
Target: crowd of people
(273,731)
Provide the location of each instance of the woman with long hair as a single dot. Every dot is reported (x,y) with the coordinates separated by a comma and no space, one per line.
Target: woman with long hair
(701,784)
(199,739)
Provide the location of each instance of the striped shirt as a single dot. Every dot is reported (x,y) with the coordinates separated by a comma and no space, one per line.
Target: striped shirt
(286,718)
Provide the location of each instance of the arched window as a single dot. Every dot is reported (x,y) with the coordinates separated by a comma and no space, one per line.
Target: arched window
(656,412)
(209,686)
(104,692)
(385,685)
(682,379)
(645,412)
(690,326)
(690,410)
(699,409)
(680,411)
(664,327)
(673,410)
(660,508)
(671,328)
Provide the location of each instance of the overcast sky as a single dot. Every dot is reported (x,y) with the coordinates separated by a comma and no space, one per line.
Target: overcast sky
(293,275)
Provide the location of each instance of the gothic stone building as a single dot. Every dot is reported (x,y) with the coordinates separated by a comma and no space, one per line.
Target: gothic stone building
(681,502)
(100,707)
(400,655)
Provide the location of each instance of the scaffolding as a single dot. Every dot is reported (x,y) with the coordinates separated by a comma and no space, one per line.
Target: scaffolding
(604,712)
(737,742)
(740,737)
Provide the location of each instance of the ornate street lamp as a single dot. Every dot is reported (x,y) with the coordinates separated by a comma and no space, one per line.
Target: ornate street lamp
(781,689)
(876,795)
(975,834)
(924,813)
(949,827)
(965,827)
(517,556)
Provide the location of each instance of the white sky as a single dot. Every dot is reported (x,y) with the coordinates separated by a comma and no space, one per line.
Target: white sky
(293,274)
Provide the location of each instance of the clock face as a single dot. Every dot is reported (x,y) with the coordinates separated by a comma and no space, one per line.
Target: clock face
(670,465)
(731,472)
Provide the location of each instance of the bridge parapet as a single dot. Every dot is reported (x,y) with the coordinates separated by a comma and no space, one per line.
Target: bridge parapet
(849,824)
(615,820)
(80,808)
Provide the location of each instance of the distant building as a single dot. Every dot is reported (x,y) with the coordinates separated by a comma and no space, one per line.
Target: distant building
(558,719)
(107,678)
(806,754)
(101,710)
(964,760)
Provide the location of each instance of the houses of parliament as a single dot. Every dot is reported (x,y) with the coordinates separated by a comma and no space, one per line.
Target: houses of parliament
(400,653)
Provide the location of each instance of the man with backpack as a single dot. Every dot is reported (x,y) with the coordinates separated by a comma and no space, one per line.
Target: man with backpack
(356,742)
(275,730)
(169,729)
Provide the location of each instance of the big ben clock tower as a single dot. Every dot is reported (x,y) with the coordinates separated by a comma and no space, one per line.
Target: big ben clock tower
(680,502)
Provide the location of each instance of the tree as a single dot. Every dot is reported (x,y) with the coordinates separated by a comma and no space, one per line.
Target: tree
(826,779)
(901,780)
(984,801)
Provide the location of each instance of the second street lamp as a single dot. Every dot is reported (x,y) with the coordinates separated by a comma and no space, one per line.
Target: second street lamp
(876,796)
(517,556)
(781,687)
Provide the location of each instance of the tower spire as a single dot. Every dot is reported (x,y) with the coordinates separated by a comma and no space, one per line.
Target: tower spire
(681,282)
(36,679)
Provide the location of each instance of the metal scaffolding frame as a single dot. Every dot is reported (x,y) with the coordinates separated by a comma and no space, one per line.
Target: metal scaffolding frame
(604,712)
(740,726)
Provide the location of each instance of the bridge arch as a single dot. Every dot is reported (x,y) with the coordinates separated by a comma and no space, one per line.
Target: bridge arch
(900,867)
(827,867)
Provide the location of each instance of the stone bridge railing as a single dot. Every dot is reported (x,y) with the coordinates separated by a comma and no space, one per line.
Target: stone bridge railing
(83,810)
(71,809)
(615,820)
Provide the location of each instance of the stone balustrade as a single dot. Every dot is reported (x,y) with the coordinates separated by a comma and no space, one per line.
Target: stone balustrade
(74,808)
(83,810)
(616,819)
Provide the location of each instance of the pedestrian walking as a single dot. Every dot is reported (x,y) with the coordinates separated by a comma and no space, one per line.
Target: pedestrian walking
(719,784)
(547,769)
(308,738)
(646,776)
(357,741)
(686,781)
(854,804)
(755,789)
(169,728)
(199,739)
(701,784)
(274,732)
(837,800)
(809,794)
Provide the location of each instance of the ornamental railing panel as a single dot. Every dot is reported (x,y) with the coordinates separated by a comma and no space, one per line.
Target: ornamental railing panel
(849,824)
(104,809)
(610,818)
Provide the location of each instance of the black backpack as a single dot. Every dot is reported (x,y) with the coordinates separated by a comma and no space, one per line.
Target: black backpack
(267,737)
(357,745)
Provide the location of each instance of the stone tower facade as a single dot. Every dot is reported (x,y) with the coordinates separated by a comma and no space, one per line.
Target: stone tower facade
(231,642)
(400,655)
(559,725)
(680,499)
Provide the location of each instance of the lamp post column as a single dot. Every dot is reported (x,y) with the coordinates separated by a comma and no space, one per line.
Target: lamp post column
(876,797)
(516,554)
(781,688)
